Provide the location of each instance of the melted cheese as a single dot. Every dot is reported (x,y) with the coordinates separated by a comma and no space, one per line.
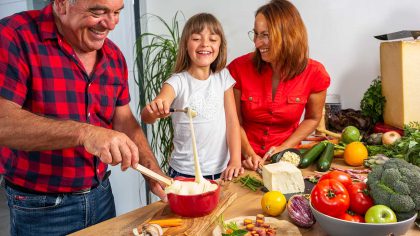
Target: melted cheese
(201,185)
(284,177)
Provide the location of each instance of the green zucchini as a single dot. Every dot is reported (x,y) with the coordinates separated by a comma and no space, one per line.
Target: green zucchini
(324,162)
(311,155)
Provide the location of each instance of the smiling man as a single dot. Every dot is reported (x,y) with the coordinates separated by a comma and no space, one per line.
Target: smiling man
(64,116)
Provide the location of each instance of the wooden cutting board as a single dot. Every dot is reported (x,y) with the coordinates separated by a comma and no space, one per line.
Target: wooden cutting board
(198,225)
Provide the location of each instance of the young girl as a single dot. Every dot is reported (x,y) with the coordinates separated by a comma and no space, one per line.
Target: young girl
(201,83)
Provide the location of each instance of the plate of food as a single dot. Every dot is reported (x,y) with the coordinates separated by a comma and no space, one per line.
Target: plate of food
(257,224)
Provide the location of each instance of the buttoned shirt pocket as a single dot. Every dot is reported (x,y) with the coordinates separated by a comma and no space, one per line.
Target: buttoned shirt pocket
(250,102)
(296,104)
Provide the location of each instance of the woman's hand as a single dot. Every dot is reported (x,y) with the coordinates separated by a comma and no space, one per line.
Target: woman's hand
(252,162)
(232,170)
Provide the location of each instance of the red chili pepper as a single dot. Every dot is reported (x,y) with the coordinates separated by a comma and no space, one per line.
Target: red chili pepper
(383,128)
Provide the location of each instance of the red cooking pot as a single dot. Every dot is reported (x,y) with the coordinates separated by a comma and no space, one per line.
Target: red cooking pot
(194,205)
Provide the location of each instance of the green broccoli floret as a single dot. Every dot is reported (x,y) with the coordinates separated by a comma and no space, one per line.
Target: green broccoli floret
(396,184)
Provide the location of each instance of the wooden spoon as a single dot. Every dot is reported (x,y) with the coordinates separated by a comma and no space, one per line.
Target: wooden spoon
(153,175)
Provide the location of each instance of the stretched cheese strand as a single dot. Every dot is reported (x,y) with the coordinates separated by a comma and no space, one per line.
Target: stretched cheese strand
(198,176)
(200,185)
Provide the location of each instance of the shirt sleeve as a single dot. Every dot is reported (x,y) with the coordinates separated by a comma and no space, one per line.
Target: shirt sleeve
(234,72)
(322,79)
(228,79)
(14,71)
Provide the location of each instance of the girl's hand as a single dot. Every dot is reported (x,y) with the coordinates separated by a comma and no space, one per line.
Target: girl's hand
(159,108)
(252,162)
(232,170)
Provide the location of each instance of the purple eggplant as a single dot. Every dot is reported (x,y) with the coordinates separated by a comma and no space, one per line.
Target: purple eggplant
(299,211)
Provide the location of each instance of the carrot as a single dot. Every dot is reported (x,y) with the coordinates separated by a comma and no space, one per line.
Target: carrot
(307,145)
(315,138)
(171,222)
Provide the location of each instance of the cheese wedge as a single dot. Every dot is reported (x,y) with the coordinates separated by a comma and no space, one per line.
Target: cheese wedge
(400,72)
(284,177)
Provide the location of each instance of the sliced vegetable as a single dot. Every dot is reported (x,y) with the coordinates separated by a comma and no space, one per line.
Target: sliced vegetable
(250,182)
(299,211)
(324,162)
(312,154)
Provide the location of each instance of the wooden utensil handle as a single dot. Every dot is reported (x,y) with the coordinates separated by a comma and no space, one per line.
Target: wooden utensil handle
(153,175)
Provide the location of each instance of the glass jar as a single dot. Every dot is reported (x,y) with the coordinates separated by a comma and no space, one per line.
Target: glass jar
(332,107)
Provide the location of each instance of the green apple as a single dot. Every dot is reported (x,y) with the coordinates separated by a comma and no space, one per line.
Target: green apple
(380,214)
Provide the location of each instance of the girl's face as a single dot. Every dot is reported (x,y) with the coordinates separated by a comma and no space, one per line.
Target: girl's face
(203,48)
(262,37)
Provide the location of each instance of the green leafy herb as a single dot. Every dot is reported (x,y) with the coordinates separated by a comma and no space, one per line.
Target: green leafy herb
(373,102)
(407,148)
(250,182)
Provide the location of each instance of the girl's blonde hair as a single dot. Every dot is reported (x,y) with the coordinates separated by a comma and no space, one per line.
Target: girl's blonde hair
(288,39)
(195,25)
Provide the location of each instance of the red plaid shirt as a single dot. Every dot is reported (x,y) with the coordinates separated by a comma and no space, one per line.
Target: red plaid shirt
(40,72)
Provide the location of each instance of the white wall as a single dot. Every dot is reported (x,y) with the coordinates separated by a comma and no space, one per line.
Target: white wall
(340,33)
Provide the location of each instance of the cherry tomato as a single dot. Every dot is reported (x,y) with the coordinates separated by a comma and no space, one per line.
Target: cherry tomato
(350,216)
(341,176)
(360,201)
(330,197)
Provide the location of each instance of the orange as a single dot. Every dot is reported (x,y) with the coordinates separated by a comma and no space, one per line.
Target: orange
(273,203)
(355,153)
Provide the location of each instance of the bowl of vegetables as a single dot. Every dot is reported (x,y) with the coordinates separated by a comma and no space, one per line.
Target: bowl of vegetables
(334,226)
(194,205)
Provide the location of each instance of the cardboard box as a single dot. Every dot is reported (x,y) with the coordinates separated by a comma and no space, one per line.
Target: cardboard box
(400,72)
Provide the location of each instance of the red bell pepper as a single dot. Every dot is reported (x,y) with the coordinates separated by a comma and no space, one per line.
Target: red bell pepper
(383,128)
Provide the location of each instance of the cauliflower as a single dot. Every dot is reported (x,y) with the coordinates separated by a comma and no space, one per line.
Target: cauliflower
(396,185)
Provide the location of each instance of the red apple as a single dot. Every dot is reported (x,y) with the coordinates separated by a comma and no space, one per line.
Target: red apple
(390,137)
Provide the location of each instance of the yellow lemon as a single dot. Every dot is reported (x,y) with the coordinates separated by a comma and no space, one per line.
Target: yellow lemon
(273,203)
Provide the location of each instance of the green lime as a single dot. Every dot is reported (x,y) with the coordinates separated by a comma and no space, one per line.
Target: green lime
(350,134)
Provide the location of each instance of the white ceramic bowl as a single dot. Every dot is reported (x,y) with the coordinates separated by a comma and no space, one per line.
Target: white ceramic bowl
(337,227)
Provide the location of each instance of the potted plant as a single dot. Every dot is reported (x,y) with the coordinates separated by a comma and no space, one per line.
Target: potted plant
(155,56)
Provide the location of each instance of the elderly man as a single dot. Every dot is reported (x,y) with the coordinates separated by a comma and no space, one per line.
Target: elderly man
(64,116)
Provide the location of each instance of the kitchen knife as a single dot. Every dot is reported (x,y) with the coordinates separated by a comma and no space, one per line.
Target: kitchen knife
(399,35)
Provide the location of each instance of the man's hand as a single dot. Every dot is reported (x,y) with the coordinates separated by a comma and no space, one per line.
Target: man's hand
(112,147)
(157,189)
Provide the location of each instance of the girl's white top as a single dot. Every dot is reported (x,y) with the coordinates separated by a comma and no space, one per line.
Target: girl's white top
(206,97)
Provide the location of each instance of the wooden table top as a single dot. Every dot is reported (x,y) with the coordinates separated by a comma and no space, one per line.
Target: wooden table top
(246,204)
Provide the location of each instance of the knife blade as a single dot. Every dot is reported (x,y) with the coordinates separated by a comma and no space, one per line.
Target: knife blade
(399,35)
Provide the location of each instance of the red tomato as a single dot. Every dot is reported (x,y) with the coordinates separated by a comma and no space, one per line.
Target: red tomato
(360,201)
(350,216)
(330,197)
(341,176)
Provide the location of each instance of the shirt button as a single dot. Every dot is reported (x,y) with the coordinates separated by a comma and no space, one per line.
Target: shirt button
(297,99)
(266,132)
(262,147)
(250,98)
(88,114)
(89,84)
(97,171)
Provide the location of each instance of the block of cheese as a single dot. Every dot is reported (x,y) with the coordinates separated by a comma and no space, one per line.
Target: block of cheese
(284,177)
(400,72)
